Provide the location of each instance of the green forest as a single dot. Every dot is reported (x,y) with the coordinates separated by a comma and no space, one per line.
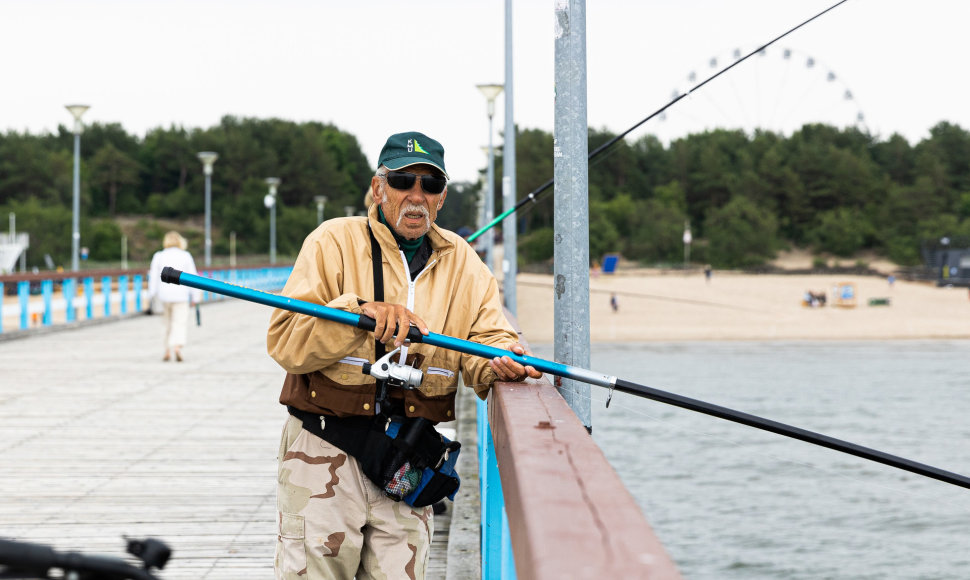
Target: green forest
(833,191)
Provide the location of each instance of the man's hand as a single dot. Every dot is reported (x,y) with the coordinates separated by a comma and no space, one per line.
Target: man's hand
(391,316)
(510,371)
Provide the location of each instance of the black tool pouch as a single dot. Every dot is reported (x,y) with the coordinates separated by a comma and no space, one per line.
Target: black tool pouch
(406,457)
(421,469)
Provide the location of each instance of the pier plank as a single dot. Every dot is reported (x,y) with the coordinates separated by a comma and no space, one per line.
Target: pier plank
(100,439)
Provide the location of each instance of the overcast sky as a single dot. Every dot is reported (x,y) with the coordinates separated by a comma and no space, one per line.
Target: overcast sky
(381,66)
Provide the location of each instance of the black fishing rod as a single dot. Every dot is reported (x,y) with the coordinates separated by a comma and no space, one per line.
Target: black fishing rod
(173,276)
(534,195)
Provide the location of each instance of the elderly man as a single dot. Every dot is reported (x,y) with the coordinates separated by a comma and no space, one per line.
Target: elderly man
(397,267)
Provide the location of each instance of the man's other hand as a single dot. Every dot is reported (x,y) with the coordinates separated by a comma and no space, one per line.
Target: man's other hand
(508,370)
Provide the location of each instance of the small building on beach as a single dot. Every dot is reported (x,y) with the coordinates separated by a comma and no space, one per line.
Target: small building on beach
(950,260)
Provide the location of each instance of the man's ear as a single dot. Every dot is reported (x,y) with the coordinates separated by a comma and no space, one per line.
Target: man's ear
(375,189)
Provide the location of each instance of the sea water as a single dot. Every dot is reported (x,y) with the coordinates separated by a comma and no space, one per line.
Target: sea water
(729,501)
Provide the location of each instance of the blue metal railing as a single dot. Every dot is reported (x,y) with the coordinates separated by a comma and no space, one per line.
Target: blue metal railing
(123,290)
(498,562)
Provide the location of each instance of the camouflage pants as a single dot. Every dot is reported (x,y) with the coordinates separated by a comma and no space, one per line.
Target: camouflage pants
(335,523)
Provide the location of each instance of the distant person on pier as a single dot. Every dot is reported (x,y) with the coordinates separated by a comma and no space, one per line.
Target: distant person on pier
(342,485)
(175,299)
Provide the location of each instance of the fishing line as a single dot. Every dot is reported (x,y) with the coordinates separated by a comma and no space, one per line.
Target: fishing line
(533,196)
(744,447)
(647,296)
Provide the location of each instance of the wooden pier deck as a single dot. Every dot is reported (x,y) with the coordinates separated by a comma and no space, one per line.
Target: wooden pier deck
(100,439)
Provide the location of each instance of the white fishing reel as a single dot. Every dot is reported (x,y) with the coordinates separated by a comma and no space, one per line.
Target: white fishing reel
(394,374)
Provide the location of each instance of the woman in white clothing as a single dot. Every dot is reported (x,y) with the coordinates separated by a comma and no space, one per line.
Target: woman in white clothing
(176,299)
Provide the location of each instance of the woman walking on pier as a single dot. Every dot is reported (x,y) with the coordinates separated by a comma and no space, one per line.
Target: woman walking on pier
(174,298)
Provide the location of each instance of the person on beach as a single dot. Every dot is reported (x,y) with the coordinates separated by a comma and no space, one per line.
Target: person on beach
(339,516)
(175,300)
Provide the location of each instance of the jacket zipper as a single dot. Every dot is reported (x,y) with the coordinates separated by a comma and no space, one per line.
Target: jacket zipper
(411,283)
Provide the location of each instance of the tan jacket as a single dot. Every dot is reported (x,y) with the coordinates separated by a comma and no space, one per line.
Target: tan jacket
(455,294)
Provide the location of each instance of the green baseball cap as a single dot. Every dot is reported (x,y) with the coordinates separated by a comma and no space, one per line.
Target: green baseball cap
(412,148)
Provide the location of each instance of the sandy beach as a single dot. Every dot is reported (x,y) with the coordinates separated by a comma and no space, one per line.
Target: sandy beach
(674,306)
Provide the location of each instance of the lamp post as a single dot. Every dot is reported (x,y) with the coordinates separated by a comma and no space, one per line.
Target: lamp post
(76,111)
(687,240)
(270,202)
(491,92)
(208,158)
(321,201)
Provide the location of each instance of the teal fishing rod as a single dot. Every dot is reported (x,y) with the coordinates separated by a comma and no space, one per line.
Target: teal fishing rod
(534,195)
(173,276)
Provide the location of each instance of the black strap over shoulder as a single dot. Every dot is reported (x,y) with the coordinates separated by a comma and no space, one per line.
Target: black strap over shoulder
(378,266)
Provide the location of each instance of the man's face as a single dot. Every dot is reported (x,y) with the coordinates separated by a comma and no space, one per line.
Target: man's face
(412,211)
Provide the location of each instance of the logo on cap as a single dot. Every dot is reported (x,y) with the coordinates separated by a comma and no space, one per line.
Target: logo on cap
(413,146)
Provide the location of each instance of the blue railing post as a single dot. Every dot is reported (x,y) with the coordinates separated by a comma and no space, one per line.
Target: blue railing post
(106,290)
(80,293)
(47,291)
(23,294)
(123,291)
(508,561)
(69,290)
(497,559)
(89,298)
(138,283)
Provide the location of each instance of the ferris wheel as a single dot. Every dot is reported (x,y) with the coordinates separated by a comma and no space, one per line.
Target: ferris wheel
(778,90)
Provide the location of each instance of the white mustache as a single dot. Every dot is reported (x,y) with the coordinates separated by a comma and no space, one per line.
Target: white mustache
(411,208)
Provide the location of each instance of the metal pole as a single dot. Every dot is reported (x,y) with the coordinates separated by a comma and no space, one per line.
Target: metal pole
(272,233)
(271,201)
(571,171)
(76,205)
(208,158)
(490,194)
(510,265)
(208,216)
(321,202)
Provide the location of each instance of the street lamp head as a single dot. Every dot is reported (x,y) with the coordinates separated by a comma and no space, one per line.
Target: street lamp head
(76,111)
(320,199)
(207,158)
(273,183)
(491,91)
(488,150)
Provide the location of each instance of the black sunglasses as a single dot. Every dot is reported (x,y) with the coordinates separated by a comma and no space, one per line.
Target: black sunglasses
(405,181)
